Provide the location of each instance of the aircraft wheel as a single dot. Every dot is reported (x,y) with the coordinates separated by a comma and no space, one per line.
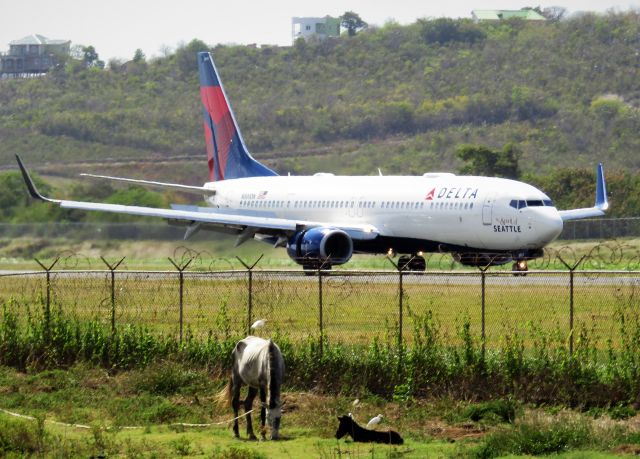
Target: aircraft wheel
(418,264)
(520,268)
(412,263)
(404,263)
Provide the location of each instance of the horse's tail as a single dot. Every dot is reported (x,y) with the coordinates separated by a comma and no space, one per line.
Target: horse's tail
(223,399)
(275,374)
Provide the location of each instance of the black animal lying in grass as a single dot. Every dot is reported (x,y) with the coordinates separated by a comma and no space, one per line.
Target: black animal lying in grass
(349,426)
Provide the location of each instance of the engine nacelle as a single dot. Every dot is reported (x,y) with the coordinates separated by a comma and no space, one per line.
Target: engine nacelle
(314,246)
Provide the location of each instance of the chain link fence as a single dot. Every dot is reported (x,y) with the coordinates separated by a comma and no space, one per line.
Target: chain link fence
(541,308)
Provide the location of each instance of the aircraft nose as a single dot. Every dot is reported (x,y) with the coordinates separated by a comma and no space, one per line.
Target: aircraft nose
(549,226)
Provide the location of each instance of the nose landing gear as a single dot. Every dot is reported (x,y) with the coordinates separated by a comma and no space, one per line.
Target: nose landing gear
(520,268)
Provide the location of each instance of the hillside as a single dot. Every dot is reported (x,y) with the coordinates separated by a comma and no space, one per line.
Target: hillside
(401,98)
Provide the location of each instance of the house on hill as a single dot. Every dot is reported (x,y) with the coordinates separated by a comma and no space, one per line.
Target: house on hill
(499,15)
(32,55)
(320,28)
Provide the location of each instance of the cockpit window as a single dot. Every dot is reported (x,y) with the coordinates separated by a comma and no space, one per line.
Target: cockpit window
(521,203)
(518,204)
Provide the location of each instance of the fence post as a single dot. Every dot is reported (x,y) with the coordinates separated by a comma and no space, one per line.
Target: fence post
(400,269)
(571,269)
(483,288)
(113,268)
(47,305)
(320,312)
(181,269)
(320,304)
(250,279)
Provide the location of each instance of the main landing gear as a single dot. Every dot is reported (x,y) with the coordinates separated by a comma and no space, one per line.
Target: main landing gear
(412,263)
(520,268)
(311,267)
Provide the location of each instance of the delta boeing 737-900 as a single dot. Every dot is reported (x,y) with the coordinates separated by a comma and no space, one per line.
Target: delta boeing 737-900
(323,219)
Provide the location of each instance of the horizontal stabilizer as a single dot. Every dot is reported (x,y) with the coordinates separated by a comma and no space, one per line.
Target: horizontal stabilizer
(169,186)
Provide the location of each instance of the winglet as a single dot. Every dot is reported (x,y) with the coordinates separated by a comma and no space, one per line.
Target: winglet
(33,191)
(601,189)
(601,205)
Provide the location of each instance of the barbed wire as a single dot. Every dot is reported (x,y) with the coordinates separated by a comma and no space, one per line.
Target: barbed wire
(609,255)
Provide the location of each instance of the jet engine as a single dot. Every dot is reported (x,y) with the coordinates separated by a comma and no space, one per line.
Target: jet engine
(317,246)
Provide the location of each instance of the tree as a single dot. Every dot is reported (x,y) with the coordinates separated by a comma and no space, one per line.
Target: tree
(186,56)
(554,13)
(352,22)
(139,56)
(445,30)
(480,160)
(90,57)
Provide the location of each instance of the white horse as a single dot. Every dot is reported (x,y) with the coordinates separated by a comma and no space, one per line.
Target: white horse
(258,363)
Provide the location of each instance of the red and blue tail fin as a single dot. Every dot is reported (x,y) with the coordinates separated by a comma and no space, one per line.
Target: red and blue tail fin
(227,154)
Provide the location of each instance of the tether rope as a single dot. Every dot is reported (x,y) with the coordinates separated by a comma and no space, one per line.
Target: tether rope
(83,426)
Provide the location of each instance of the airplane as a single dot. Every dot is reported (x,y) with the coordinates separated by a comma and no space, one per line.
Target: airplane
(323,219)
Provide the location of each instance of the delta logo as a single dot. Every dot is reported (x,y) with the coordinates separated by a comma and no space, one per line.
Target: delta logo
(452,193)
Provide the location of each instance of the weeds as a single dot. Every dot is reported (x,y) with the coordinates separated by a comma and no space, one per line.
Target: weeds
(500,410)
(587,378)
(542,435)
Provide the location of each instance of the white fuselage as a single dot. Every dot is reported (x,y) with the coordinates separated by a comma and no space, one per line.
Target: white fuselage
(475,212)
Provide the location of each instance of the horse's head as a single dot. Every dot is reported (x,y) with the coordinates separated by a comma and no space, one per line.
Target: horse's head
(273,418)
(345,426)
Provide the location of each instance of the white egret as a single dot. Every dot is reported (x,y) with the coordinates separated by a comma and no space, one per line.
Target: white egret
(374,421)
(259,323)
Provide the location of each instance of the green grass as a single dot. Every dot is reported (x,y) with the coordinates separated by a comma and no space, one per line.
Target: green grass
(354,308)
(111,403)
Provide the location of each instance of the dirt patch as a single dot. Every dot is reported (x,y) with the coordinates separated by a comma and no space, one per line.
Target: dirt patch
(633,450)
(440,430)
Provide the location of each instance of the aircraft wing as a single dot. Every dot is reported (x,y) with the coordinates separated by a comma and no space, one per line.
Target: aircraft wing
(197,217)
(600,206)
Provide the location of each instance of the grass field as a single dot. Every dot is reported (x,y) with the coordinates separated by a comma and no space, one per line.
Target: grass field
(137,414)
(355,308)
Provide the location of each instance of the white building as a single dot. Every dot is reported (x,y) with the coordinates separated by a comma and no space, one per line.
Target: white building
(314,27)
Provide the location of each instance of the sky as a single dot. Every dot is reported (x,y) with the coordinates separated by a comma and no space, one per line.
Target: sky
(116,28)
